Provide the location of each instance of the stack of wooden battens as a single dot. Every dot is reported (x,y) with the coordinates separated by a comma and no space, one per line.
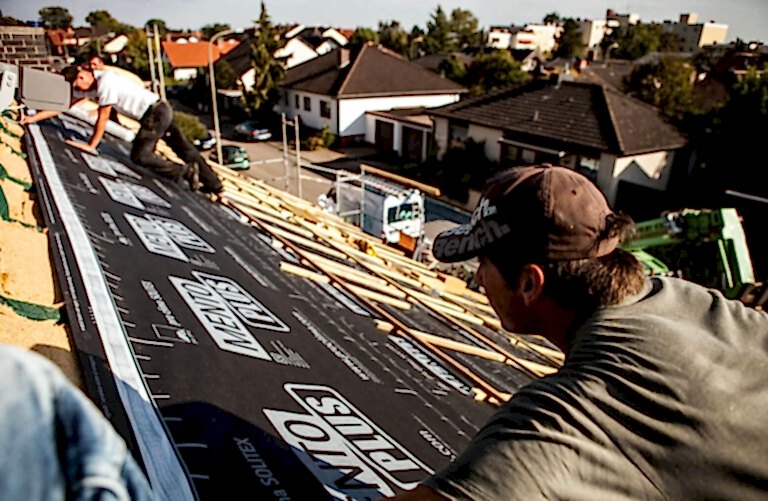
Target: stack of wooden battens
(332,251)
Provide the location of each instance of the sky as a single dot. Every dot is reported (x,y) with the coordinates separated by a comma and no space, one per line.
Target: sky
(747,19)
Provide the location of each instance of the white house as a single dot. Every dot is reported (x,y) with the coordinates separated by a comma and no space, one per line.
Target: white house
(541,37)
(340,88)
(623,144)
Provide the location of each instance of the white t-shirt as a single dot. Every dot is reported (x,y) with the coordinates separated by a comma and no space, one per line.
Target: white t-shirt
(128,98)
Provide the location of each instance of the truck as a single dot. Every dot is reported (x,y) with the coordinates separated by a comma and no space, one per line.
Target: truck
(380,207)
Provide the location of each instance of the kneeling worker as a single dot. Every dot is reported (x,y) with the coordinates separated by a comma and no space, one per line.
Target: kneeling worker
(662,394)
(155,117)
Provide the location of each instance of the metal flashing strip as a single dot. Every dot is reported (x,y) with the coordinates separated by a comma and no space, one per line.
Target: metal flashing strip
(165,471)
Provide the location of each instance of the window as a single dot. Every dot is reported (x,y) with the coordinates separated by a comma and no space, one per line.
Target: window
(296,101)
(529,156)
(307,104)
(325,109)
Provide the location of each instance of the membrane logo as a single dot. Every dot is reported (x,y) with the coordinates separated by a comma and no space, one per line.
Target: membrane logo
(431,365)
(132,195)
(166,236)
(108,167)
(346,451)
(225,308)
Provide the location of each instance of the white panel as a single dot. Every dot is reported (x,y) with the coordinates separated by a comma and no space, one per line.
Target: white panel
(352,111)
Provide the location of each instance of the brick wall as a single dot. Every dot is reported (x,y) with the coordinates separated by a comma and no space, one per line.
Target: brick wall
(26,46)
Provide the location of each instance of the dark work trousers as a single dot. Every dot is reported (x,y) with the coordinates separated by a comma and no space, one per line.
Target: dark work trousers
(157,123)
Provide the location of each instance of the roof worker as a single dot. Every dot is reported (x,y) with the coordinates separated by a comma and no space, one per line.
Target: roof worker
(663,391)
(155,117)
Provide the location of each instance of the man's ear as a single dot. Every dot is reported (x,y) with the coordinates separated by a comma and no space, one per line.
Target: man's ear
(531,283)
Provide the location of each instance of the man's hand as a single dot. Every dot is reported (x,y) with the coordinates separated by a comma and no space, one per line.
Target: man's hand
(82,146)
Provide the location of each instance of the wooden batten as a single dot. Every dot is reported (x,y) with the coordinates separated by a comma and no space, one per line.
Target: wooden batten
(380,298)
(303,272)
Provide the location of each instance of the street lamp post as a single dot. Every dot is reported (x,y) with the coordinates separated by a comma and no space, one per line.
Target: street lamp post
(212,83)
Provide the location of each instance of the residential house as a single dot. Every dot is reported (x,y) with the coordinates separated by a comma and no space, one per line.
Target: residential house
(321,39)
(541,37)
(623,144)
(499,37)
(190,58)
(342,88)
(529,59)
(692,35)
(301,45)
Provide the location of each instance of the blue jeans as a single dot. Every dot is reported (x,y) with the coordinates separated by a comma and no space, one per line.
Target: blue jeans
(56,444)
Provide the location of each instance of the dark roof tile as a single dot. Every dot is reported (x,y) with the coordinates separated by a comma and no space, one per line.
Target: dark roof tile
(588,115)
(371,71)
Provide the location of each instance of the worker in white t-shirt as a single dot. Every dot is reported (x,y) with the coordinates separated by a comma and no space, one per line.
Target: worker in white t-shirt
(155,116)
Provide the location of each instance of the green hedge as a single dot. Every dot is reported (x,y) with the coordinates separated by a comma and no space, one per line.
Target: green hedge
(189,125)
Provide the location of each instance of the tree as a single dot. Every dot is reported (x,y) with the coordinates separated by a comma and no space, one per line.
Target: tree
(438,39)
(494,69)
(162,29)
(269,70)
(226,78)
(740,129)
(55,17)
(633,42)
(135,54)
(552,18)
(452,68)
(465,27)
(102,18)
(10,21)
(570,43)
(363,35)
(394,37)
(666,84)
(211,29)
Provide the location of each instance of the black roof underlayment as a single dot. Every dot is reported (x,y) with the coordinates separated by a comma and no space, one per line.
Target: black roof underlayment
(228,377)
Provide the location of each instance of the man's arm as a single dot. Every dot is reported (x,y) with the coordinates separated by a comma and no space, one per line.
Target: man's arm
(98,132)
(45,114)
(39,116)
(100,126)
(420,493)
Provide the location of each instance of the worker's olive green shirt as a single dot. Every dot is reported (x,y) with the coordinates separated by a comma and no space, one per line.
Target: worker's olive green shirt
(665,396)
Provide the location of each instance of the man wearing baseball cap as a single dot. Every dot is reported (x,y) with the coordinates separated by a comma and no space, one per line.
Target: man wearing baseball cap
(662,394)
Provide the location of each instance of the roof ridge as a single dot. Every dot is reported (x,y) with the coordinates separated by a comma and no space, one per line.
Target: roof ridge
(612,117)
(352,67)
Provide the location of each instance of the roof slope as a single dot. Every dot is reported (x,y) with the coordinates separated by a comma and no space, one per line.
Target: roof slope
(571,113)
(195,54)
(371,71)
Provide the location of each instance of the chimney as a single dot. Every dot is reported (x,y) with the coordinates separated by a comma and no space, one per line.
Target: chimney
(535,117)
(343,56)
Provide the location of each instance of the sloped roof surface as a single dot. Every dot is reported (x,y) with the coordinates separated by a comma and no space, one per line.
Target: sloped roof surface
(583,114)
(371,71)
(194,54)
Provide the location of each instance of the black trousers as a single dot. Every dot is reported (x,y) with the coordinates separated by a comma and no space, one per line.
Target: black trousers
(157,123)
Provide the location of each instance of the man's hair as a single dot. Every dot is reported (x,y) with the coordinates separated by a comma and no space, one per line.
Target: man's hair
(585,284)
(70,72)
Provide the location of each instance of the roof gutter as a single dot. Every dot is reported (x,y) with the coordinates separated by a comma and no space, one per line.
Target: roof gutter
(560,154)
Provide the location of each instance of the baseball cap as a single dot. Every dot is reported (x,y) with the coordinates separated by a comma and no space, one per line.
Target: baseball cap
(540,212)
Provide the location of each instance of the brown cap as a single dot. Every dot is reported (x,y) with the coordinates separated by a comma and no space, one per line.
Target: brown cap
(540,213)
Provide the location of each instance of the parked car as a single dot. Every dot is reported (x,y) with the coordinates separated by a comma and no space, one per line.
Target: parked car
(253,131)
(205,143)
(235,157)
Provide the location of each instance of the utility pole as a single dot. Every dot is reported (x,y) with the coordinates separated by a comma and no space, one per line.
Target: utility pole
(295,123)
(151,55)
(298,156)
(160,72)
(284,122)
